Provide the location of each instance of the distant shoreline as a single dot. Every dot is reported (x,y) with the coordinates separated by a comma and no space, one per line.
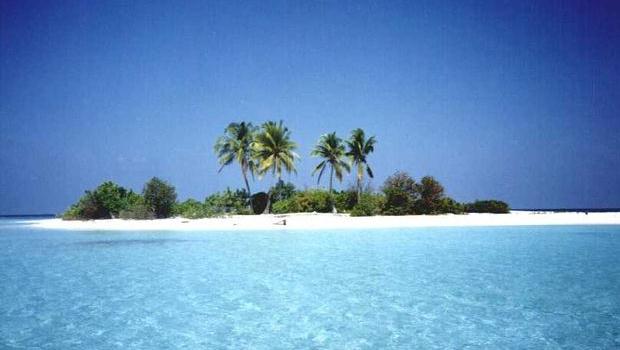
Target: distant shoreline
(17,216)
(304,221)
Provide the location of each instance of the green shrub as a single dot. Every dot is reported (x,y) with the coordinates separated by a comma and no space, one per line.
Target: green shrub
(190,209)
(285,206)
(487,206)
(401,192)
(449,205)
(397,202)
(281,191)
(431,194)
(304,202)
(159,197)
(369,205)
(228,202)
(137,211)
(112,197)
(105,202)
(345,200)
(313,201)
(73,213)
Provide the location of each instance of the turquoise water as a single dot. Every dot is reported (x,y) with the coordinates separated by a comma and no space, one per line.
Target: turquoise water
(448,288)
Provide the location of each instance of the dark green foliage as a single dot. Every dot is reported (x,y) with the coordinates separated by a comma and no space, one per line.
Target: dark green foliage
(73,213)
(159,197)
(313,201)
(431,194)
(281,191)
(487,206)
(137,210)
(90,207)
(87,208)
(259,202)
(191,209)
(285,206)
(221,203)
(449,205)
(368,205)
(398,202)
(105,202)
(401,192)
(345,200)
(305,202)
(112,197)
(228,202)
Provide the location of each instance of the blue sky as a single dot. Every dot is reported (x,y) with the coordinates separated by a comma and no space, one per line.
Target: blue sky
(496,99)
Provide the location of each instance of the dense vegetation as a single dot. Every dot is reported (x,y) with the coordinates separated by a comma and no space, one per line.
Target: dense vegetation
(270,149)
(487,206)
(110,200)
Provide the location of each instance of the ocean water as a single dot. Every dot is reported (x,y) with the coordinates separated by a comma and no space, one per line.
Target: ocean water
(439,288)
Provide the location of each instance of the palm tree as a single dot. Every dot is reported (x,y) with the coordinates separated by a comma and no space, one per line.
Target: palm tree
(359,149)
(236,145)
(274,150)
(331,149)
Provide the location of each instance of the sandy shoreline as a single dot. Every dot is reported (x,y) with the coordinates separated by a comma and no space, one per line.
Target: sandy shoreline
(340,221)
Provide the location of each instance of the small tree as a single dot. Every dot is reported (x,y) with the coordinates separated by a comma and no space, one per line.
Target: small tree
(90,207)
(401,192)
(160,197)
(281,191)
(104,202)
(431,194)
(112,197)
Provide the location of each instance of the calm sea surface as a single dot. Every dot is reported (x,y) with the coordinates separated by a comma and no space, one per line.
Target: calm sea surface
(443,288)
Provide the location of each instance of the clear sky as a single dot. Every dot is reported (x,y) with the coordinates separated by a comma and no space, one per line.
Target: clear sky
(497,99)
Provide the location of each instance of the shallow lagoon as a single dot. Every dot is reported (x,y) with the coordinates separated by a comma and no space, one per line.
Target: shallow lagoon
(510,287)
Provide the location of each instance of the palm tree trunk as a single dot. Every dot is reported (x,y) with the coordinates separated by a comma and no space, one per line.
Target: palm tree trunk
(331,198)
(359,186)
(247,184)
(247,187)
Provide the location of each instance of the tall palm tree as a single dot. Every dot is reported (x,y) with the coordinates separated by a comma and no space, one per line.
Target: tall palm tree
(236,145)
(331,148)
(359,149)
(274,150)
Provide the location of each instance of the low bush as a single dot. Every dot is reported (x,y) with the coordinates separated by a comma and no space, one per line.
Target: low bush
(401,193)
(345,200)
(397,202)
(190,209)
(137,211)
(228,202)
(304,202)
(73,213)
(368,205)
(281,191)
(104,202)
(448,205)
(313,201)
(487,206)
(159,197)
(285,206)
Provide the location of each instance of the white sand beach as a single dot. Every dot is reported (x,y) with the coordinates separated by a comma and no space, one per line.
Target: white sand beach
(339,221)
